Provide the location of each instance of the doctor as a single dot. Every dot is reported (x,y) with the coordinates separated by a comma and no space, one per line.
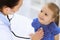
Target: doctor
(9,7)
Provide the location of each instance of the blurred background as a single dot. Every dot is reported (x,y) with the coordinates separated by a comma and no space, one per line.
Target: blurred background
(31,8)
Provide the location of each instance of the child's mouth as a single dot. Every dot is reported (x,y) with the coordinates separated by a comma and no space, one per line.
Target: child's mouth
(41,18)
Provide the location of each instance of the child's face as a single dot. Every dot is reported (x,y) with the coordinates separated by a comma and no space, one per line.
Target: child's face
(45,16)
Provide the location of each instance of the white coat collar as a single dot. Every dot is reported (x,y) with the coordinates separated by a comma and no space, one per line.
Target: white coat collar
(4,19)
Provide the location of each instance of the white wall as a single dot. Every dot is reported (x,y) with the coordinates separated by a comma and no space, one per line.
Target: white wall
(25,8)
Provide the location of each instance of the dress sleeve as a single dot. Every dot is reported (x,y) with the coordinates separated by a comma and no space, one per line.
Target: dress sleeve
(35,24)
(5,33)
(55,29)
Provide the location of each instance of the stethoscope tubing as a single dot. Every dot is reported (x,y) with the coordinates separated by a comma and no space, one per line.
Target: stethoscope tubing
(14,33)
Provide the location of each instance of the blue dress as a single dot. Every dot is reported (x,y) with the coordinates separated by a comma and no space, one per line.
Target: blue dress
(49,30)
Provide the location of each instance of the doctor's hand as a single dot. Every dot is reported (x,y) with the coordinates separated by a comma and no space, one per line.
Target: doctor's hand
(38,35)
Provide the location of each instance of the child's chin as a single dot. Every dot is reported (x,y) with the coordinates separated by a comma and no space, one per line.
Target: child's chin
(43,23)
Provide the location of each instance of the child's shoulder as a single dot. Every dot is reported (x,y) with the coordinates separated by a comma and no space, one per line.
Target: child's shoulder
(53,25)
(54,28)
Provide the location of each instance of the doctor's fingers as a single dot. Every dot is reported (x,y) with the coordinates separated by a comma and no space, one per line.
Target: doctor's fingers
(36,36)
(40,31)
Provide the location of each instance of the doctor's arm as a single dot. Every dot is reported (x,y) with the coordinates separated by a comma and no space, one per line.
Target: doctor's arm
(38,35)
(5,33)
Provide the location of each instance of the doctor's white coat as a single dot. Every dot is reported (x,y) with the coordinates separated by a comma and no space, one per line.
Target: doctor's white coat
(5,32)
(21,26)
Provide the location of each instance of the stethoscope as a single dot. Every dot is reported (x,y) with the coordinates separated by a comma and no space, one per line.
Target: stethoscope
(13,32)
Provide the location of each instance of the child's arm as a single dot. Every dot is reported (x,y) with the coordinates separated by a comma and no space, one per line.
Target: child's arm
(56,37)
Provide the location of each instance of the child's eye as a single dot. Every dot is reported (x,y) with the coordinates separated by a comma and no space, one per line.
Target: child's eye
(41,11)
(46,14)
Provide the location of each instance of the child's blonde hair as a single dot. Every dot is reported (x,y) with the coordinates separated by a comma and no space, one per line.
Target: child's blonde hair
(55,9)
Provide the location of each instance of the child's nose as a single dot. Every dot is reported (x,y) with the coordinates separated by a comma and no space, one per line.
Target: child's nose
(42,14)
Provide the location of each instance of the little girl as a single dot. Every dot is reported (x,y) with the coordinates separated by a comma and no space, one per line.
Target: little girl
(46,21)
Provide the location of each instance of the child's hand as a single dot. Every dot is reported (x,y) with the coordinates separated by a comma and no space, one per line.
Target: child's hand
(38,35)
